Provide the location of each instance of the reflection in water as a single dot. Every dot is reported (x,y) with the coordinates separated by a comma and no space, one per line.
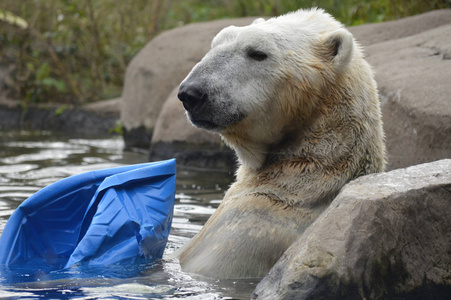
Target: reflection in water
(29,161)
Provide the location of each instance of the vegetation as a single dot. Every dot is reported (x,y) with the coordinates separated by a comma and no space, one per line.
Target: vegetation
(76,51)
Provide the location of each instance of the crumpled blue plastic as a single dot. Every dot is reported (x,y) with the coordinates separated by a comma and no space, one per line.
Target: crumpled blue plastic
(100,217)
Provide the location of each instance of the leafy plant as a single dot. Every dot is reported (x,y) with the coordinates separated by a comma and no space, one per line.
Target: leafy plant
(77,51)
(60,110)
(117,129)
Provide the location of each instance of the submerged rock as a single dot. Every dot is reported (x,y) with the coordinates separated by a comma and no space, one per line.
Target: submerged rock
(385,235)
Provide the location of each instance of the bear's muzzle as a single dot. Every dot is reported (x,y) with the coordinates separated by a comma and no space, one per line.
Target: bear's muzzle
(191,96)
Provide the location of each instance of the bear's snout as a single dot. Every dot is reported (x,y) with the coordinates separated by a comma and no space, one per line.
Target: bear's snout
(191,96)
(209,104)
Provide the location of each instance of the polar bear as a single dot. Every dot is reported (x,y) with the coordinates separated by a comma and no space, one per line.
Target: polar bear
(294,97)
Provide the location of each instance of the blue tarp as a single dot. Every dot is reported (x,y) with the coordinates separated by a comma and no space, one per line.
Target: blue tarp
(100,217)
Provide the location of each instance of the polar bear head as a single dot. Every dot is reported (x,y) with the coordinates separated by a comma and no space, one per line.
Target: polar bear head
(262,84)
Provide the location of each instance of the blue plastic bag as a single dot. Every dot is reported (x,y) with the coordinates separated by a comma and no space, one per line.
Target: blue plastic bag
(101,217)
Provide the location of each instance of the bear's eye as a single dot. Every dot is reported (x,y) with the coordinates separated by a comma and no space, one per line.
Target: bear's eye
(256,55)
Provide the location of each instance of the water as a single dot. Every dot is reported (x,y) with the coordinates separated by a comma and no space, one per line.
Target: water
(31,160)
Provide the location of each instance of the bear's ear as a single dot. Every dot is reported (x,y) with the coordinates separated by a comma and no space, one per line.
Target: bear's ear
(259,20)
(339,48)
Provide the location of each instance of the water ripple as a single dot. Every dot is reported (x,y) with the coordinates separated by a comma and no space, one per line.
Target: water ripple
(28,162)
(17,168)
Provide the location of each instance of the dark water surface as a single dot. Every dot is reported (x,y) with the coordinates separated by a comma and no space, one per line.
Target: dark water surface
(30,161)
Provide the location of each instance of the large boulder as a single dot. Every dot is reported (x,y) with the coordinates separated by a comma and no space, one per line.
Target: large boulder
(385,236)
(159,67)
(412,60)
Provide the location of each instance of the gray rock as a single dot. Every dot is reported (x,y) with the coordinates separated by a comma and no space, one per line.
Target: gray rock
(159,67)
(411,58)
(414,80)
(370,34)
(385,236)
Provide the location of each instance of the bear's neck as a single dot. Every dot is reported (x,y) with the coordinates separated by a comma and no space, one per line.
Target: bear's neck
(250,155)
(256,156)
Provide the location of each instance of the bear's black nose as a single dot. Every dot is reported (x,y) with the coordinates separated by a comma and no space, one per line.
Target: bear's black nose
(191,96)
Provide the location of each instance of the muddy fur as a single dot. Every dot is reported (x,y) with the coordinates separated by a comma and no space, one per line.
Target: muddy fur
(303,117)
